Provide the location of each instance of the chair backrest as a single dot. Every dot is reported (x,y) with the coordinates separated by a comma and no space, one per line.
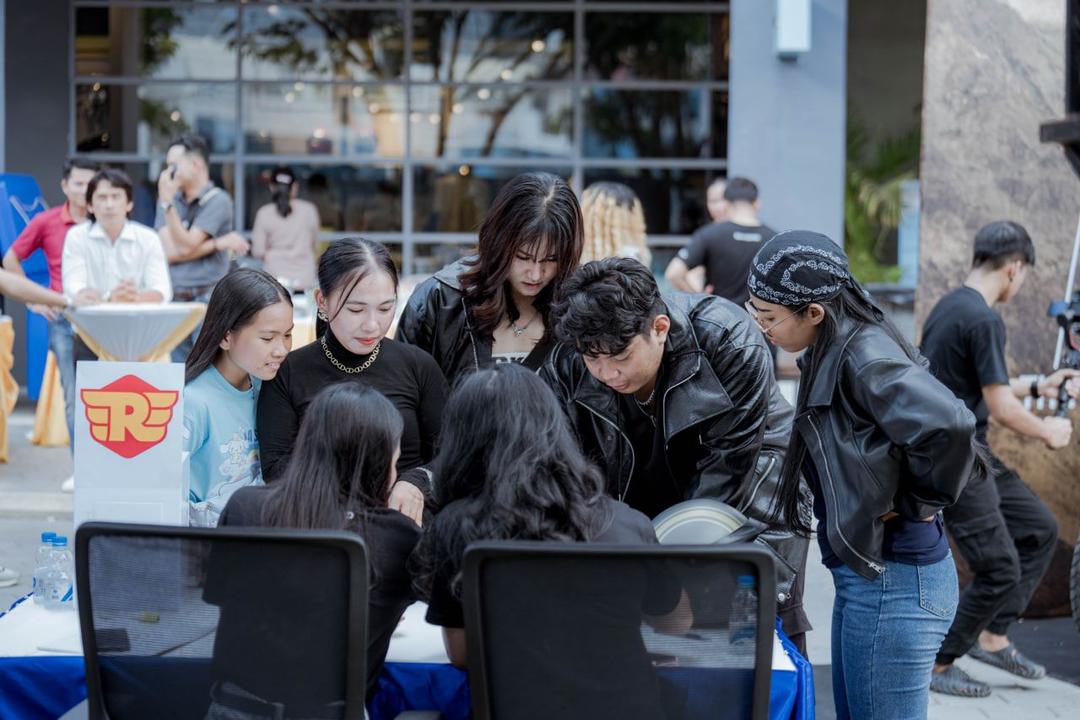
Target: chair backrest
(222,623)
(578,631)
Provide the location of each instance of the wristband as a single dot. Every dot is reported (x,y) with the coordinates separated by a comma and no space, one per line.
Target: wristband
(1035,386)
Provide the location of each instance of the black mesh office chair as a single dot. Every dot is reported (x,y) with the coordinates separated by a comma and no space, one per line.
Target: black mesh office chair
(222,624)
(577,631)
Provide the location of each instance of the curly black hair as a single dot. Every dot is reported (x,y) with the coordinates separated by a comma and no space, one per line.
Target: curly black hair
(605,304)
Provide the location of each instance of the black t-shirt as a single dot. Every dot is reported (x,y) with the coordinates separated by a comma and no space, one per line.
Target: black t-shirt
(390,538)
(574,631)
(405,374)
(652,488)
(964,340)
(726,250)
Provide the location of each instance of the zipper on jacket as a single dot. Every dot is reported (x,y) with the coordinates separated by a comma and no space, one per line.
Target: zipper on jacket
(663,420)
(878,567)
(757,486)
(472,337)
(629,444)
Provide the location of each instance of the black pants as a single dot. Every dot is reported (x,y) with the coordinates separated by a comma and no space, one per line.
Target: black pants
(1007,535)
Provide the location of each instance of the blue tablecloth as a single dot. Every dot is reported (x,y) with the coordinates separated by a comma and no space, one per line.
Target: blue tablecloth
(46,687)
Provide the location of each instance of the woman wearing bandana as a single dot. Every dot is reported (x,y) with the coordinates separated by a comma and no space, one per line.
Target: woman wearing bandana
(884,447)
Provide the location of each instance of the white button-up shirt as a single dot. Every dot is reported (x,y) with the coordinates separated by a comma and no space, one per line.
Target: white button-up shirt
(91,260)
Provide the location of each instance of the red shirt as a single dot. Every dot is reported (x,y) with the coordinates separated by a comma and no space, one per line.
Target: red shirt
(46,231)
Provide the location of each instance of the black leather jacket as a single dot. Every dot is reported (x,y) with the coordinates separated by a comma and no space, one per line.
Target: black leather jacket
(726,425)
(436,319)
(884,435)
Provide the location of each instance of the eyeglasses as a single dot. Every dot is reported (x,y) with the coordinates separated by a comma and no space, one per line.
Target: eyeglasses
(755,314)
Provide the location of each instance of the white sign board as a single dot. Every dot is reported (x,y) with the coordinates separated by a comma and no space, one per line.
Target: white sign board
(129,443)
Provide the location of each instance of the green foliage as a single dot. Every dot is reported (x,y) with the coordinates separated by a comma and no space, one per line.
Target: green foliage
(872,183)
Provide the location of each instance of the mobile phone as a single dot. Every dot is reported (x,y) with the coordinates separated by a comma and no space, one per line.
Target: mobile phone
(112,640)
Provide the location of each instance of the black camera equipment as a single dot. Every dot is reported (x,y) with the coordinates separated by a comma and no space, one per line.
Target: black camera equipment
(1067,132)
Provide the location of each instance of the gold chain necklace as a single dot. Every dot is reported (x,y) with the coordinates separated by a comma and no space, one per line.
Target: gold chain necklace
(345,368)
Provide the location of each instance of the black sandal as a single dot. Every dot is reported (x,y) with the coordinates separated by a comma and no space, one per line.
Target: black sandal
(954,681)
(1010,660)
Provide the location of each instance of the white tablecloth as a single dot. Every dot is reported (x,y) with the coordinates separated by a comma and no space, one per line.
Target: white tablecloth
(131,332)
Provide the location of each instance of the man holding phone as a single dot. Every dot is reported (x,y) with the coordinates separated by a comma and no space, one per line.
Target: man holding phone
(195,221)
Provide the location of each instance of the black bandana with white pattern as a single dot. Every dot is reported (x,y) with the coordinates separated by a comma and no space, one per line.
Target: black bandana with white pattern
(799,267)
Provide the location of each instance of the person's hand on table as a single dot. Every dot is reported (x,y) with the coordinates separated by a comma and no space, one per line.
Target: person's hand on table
(407,499)
(87,296)
(125,292)
(47,311)
(232,242)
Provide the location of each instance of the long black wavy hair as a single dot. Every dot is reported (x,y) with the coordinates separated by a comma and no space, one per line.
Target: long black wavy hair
(532,209)
(508,456)
(340,465)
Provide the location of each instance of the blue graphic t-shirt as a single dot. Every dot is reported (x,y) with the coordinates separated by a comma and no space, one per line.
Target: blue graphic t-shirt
(219,432)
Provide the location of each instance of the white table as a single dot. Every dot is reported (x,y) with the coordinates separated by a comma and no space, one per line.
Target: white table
(135,331)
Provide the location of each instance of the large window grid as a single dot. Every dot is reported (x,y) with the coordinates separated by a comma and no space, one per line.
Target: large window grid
(684,138)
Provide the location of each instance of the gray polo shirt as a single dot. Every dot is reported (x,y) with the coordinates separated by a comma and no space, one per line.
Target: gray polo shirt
(212,212)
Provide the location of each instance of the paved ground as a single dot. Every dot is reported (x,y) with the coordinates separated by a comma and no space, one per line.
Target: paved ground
(30,502)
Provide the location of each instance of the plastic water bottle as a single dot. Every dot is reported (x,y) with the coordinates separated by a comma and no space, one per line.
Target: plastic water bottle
(59,588)
(41,562)
(742,623)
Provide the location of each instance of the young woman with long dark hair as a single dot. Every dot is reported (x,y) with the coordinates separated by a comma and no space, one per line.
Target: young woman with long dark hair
(495,306)
(338,478)
(884,447)
(246,335)
(509,468)
(356,298)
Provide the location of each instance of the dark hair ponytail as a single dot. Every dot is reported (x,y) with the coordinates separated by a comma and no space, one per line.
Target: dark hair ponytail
(236,300)
(281,185)
(344,264)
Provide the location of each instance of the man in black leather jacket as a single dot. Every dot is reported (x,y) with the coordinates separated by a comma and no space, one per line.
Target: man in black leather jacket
(674,398)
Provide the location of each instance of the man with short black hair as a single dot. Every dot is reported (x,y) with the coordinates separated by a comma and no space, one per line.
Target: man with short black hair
(112,258)
(725,247)
(46,232)
(673,397)
(1003,530)
(195,221)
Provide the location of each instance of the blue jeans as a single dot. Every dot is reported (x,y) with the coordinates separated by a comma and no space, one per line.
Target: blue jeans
(180,353)
(885,635)
(62,343)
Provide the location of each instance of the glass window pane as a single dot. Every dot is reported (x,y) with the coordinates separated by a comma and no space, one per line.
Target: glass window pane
(654,123)
(322,119)
(429,259)
(321,43)
(486,46)
(673,199)
(454,198)
(145,118)
(144,179)
(349,198)
(491,122)
(680,46)
(158,42)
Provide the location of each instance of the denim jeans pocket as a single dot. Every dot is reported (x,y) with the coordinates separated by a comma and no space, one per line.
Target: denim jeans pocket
(938,592)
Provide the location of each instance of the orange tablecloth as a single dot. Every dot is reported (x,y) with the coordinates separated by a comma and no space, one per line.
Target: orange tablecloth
(9,389)
(50,423)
